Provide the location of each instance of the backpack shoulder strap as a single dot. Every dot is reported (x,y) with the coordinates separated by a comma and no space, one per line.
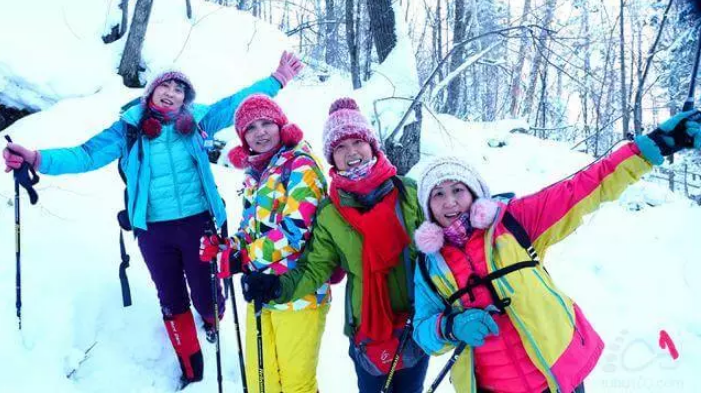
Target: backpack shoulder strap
(422,262)
(516,229)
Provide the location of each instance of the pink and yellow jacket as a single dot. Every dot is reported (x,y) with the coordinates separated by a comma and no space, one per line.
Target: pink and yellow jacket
(557,338)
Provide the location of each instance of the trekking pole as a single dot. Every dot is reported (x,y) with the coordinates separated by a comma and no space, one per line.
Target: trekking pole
(395,361)
(444,371)
(213,280)
(21,177)
(234,310)
(258,307)
(18,265)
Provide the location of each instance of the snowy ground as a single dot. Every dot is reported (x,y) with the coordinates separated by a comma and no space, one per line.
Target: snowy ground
(634,267)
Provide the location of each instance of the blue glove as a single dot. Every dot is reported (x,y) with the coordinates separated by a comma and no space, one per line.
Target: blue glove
(470,326)
(681,131)
(260,288)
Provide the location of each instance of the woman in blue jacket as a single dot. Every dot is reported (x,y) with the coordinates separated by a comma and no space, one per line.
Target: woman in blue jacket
(172,197)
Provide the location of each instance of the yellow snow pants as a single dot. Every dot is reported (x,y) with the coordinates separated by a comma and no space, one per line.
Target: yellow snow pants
(291,343)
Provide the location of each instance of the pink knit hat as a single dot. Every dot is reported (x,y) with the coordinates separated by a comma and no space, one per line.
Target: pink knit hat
(256,107)
(345,121)
(167,76)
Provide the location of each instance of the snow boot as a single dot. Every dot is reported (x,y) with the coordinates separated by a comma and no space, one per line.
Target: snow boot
(183,335)
(210,332)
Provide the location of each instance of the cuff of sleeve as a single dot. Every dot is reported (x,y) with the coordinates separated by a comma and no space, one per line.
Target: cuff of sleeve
(42,162)
(279,78)
(282,297)
(444,327)
(649,149)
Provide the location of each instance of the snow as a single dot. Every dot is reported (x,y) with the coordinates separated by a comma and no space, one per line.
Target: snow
(633,267)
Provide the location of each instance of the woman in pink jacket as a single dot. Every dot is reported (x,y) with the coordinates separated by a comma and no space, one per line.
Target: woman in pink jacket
(481,282)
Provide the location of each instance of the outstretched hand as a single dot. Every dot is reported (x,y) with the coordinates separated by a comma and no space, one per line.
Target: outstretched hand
(681,131)
(15,155)
(289,67)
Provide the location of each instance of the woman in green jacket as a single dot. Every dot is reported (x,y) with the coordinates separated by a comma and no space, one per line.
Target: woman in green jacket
(365,229)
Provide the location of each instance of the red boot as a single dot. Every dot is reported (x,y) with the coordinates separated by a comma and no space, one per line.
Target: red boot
(183,335)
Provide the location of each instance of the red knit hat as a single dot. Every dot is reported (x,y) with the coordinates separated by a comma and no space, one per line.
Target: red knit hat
(256,107)
(346,121)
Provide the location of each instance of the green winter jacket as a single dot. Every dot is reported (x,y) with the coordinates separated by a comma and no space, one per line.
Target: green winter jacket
(335,243)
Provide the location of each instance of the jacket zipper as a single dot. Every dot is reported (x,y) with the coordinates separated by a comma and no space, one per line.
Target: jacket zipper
(564,307)
(175,176)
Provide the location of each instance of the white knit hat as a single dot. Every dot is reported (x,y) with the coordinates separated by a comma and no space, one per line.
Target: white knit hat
(442,169)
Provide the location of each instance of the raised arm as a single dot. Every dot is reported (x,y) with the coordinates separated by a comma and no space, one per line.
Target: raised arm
(97,152)
(555,212)
(221,114)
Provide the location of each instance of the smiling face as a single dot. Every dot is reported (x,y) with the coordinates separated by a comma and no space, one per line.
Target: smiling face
(262,135)
(169,95)
(351,153)
(448,200)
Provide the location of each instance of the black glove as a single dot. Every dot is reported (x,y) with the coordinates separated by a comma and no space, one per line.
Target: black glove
(260,288)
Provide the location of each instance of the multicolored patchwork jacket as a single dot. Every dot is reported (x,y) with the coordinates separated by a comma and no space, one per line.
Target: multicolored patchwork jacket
(279,209)
(557,337)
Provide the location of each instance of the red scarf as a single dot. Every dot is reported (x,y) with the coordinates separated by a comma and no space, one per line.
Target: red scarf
(384,239)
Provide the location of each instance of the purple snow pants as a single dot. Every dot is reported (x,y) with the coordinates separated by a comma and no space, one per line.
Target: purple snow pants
(171,250)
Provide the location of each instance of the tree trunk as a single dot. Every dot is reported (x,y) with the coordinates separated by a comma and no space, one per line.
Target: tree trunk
(352,43)
(367,56)
(405,153)
(587,71)
(438,49)
(188,9)
(624,100)
(331,36)
(518,68)
(637,109)
(455,91)
(130,66)
(255,8)
(550,6)
(241,5)
(382,27)
(117,32)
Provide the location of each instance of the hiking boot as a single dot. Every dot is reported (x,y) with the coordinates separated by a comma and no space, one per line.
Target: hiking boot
(210,332)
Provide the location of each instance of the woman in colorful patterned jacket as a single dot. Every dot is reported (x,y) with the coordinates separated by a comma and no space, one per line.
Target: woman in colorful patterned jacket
(365,228)
(283,186)
(172,197)
(539,340)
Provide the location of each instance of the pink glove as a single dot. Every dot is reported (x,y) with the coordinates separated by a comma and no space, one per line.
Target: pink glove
(19,154)
(224,251)
(289,67)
